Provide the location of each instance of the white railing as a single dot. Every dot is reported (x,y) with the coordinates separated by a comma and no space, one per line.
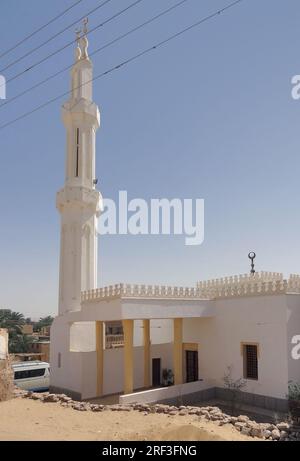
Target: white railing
(113,341)
(294,283)
(140,291)
(261,283)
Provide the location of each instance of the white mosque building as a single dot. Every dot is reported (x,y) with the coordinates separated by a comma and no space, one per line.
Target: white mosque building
(122,339)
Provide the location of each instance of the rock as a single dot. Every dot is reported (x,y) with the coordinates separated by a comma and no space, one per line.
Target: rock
(65,398)
(268,426)
(36,396)
(283,435)
(124,408)
(77,407)
(51,398)
(239,426)
(80,407)
(97,408)
(194,411)
(246,430)
(183,412)
(173,413)
(283,426)
(161,408)
(257,432)
(210,409)
(266,433)
(275,434)
(243,419)
(216,416)
(224,421)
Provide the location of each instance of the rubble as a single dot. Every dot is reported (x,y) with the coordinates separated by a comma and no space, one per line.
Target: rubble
(282,431)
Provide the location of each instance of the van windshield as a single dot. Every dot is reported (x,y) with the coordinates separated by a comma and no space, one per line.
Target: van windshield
(24,374)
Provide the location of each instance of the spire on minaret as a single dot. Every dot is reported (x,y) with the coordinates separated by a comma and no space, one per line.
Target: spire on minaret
(78,50)
(81,51)
(82,70)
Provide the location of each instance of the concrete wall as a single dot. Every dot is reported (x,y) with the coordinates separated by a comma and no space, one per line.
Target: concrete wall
(260,319)
(3,343)
(83,336)
(293,329)
(69,374)
(270,321)
(114,366)
(164,393)
(75,344)
(161,331)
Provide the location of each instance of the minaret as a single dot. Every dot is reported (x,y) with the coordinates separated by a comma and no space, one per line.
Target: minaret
(79,202)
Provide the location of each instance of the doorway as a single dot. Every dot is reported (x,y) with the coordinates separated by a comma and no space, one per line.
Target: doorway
(191,360)
(156,372)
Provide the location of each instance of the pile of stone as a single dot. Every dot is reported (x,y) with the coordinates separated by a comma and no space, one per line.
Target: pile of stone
(282,431)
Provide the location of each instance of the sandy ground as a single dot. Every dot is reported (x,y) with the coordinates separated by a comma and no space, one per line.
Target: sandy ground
(24,419)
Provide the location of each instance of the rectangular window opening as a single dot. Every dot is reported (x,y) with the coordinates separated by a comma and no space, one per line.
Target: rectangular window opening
(77,153)
(250,354)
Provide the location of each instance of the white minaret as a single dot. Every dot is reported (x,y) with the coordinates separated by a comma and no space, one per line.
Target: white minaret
(79,202)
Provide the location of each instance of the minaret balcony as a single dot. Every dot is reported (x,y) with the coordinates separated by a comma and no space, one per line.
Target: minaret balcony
(80,198)
(81,112)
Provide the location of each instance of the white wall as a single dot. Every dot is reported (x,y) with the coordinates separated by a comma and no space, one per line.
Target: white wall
(113,366)
(69,375)
(89,374)
(161,331)
(260,319)
(293,329)
(164,393)
(83,336)
(3,344)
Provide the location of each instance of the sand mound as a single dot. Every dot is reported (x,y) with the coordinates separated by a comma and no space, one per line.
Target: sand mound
(187,432)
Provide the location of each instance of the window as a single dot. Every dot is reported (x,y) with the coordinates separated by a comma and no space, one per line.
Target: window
(25,374)
(250,361)
(191,358)
(77,153)
(59,360)
(21,374)
(35,373)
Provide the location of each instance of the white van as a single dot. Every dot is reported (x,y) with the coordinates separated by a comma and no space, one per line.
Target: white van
(32,376)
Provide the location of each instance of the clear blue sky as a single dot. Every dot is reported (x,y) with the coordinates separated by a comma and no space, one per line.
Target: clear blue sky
(208,116)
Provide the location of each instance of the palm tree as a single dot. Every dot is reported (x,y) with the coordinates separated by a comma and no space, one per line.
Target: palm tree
(19,343)
(12,321)
(43,322)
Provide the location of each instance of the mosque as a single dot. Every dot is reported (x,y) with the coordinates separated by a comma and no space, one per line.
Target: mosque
(158,343)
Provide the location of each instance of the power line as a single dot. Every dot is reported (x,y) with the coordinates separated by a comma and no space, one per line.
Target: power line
(72,41)
(112,42)
(40,28)
(89,13)
(127,61)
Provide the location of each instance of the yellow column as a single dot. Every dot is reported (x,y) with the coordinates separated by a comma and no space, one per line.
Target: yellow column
(146,337)
(177,351)
(99,354)
(128,356)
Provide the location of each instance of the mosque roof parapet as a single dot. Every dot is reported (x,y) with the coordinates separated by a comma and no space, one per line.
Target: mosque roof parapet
(260,283)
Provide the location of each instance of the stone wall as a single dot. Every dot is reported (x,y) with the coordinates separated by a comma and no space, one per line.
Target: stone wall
(6,380)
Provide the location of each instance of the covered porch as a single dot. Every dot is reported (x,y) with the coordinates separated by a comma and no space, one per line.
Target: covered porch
(142,366)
